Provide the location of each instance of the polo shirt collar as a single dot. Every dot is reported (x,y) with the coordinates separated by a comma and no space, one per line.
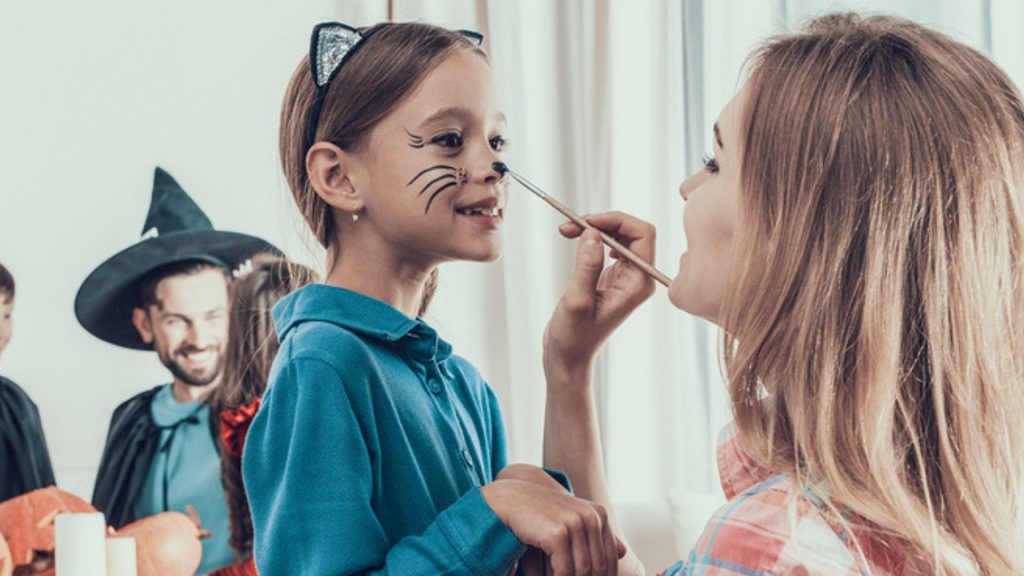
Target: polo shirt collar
(360,314)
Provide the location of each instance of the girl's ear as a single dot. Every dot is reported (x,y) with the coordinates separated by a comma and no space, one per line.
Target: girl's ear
(330,174)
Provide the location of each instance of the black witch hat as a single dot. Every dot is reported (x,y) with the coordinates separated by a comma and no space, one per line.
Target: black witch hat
(175,230)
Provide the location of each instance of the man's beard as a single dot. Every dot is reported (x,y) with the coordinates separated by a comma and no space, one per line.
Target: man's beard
(201,378)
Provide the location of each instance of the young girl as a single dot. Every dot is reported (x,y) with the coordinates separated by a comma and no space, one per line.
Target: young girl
(250,349)
(858,237)
(375,449)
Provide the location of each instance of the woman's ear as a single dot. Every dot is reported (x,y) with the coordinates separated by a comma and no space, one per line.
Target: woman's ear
(330,171)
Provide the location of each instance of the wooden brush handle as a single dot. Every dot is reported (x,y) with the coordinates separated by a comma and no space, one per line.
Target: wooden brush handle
(611,242)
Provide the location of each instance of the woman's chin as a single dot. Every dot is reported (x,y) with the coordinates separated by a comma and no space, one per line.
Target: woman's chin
(674,295)
(677,288)
(684,300)
(687,299)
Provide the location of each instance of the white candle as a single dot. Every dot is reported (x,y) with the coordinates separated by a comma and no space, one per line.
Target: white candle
(121,556)
(80,545)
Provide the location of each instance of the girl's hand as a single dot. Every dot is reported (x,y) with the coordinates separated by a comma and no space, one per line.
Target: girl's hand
(570,535)
(598,299)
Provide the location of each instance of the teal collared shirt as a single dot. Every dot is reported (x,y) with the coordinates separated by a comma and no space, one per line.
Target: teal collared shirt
(370,448)
(186,470)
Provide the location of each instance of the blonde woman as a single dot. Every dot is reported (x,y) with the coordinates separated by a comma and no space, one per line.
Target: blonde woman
(858,238)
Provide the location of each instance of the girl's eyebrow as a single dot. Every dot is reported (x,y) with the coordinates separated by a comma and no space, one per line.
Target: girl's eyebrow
(457,113)
(718,137)
(445,114)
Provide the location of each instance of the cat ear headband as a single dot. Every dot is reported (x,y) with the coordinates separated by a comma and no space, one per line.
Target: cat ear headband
(330,46)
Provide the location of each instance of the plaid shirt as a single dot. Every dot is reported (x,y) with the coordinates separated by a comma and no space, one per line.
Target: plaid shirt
(770,526)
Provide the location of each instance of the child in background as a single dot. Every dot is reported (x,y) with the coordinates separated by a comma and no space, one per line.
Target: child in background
(376,450)
(250,350)
(24,458)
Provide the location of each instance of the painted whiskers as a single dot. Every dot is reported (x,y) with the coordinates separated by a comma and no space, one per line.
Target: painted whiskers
(438,179)
(441,177)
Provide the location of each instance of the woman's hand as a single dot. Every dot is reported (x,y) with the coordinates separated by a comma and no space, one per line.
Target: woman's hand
(598,299)
(573,535)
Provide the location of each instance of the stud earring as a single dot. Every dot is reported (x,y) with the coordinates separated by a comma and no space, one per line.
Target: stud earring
(355,217)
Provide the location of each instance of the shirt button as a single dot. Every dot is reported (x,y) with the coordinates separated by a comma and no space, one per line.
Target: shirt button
(467,458)
(434,386)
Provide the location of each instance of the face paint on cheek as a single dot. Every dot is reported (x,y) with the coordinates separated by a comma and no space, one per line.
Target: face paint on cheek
(447,181)
(415,141)
(449,177)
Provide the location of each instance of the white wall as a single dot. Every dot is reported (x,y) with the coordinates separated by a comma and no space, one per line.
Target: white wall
(94,95)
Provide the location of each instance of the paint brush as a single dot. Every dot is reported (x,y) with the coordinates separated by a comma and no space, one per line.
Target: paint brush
(502,168)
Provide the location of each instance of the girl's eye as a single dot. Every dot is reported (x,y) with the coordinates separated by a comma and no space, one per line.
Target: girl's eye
(449,140)
(710,164)
(498,143)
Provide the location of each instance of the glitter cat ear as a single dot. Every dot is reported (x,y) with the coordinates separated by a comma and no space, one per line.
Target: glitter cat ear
(475,38)
(331,44)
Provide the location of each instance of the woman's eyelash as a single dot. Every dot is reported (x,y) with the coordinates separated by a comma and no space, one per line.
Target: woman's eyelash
(710,164)
(448,140)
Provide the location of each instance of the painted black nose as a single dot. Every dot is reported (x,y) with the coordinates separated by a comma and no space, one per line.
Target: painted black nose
(499,167)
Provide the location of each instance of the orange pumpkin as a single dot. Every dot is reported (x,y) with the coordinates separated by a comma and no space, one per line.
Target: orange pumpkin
(6,564)
(166,544)
(26,523)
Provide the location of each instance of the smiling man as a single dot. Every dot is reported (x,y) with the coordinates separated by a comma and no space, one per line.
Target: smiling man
(168,293)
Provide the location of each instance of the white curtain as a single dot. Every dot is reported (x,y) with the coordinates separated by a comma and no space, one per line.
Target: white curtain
(610,104)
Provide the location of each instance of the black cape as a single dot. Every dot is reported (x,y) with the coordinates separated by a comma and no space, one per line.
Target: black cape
(132,441)
(24,459)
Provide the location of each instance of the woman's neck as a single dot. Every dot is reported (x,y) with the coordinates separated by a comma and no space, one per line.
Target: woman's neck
(382,276)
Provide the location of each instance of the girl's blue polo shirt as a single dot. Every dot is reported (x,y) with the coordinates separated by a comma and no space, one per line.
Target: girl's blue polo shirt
(370,448)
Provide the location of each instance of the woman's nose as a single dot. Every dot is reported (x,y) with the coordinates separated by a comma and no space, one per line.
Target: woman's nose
(692,183)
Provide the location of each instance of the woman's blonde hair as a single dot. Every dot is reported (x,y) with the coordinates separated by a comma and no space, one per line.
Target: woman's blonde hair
(875,345)
(388,65)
